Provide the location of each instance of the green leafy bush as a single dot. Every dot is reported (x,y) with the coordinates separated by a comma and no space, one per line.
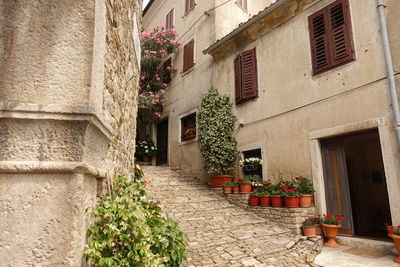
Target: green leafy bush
(128,231)
(216,124)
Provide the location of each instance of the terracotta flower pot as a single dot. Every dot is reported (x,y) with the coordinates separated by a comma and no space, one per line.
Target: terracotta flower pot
(292,202)
(331,233)
(320,230)
(265,201)
(306,201)
(236,189)
(276,201)
(310,231)
(253,200)
(396,240)
(245,188)
(227,189)
(218,181)
(146,159)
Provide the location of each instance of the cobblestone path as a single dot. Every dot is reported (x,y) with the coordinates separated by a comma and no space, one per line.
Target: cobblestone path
(222,234)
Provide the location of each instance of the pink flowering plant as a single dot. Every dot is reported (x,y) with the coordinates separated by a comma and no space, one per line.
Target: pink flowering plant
(157,46)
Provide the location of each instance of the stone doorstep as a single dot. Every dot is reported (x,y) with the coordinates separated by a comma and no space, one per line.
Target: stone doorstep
(384,247)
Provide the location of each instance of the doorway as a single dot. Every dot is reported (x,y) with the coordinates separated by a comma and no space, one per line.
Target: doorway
(355,183)
(162,143)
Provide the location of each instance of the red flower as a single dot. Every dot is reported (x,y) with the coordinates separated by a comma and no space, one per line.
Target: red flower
(145,182)
(390,231)
(240,179)
(338,221)
(155,203)
(284,188)
(330,214)
(329,218)
(226,179)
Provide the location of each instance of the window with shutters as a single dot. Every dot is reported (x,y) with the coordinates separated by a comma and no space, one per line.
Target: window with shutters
(188,127)
(169,19)
(189,6)
(167,77)
(331,37)
(242,4)
(188,55)
(245,69)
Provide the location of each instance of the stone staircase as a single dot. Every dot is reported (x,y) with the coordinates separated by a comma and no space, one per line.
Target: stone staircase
(220,233)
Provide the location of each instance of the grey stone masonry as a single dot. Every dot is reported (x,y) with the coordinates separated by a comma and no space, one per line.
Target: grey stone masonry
(291,218)
(220,233)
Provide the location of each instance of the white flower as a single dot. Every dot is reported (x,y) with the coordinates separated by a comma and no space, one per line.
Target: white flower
(146,147)
(147,151)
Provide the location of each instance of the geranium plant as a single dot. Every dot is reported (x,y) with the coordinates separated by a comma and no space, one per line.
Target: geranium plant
(305,185)
(215,122)
(393,230)
(331,219)
(311,222)
(289,191)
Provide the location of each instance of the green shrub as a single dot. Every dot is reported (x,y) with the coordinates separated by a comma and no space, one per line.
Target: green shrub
(216,124)
(128,231)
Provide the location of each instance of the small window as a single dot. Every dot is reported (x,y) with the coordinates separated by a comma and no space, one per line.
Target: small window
(331,37)
(169,20)
(242,4)
(189,6)
(253,169)
(166,76)
(188,56)
(245,68)
(188,127)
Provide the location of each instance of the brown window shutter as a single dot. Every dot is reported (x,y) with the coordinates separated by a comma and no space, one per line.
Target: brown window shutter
(188,56)
(187,6)
(319,41)
(342,48)
(238,78)
(171,18)
(167,21)
(249,74)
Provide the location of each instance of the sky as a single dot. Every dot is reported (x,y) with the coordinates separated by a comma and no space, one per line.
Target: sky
(145,2)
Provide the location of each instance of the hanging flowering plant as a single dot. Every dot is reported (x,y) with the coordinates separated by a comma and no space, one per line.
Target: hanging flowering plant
(157,45)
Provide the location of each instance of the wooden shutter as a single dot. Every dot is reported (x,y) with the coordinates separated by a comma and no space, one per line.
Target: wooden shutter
(238,78)
(170,19)
(249,74)
(167,21)
(189,5)
(331,37)
(188,56)
(342,48)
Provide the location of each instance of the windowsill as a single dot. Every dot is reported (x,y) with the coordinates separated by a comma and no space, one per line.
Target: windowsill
(189,141)
(188,71)
(333,68)
(246,101)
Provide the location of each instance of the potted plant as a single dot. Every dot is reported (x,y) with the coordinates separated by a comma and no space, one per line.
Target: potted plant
(254,199)
(235,187)
(306,190)
(264,196)
(251,164)
(228,187)
(215,122)
(255,182)
(331,224)
(320,230)
(310,227)
(291,195)
(145,150)
(394,233)
(245,185)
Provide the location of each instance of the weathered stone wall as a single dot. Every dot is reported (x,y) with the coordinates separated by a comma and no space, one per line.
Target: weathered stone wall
(68,85)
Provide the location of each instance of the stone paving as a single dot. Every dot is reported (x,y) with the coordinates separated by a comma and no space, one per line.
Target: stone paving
(220,233)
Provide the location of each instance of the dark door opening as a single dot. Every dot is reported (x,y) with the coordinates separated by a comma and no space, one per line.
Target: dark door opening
(355,183)
(162,143)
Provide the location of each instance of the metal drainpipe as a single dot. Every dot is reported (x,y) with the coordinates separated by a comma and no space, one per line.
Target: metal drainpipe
(389,69)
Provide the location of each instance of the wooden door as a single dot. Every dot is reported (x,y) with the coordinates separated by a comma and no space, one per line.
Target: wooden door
(162,142)
(337,192)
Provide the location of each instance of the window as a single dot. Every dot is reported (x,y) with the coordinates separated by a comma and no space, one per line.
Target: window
(188,127)
(242,4)
(245,68)
(189,5)
(169,20)
(166,78)
(255,169)
(188,56)
(331,37)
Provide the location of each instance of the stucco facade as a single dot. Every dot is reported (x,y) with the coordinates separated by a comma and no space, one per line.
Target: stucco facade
(295,109)
(186,89)
(68,85)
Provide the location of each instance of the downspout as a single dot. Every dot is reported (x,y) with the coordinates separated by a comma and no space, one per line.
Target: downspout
(389,69)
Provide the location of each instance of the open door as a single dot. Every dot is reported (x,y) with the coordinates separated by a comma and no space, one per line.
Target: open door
(162,143)
(336,183)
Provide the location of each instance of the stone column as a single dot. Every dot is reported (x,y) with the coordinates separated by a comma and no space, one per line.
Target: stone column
(68,86)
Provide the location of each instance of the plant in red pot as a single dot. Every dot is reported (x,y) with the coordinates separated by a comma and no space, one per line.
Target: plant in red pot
(265,195)
(145,150)
(228,187)
(216,123)
(394,233)
(235,187)
(277,199)
(310,227)
(331,224)
(245,185)
(292,198)
(254,199)
(306,191)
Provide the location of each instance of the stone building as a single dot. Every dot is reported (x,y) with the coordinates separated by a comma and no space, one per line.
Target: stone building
(68,85)
(199,23)
(313,90)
